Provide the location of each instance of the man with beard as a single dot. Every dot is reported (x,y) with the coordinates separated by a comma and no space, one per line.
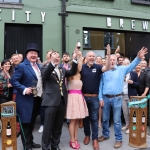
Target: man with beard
(111,96)
(145,68)
(120,60)
(143,64)
(90,76)
(65,61)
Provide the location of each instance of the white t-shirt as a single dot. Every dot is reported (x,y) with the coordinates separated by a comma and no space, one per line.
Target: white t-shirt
(125,85)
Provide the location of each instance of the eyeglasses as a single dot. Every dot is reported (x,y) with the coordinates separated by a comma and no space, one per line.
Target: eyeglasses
(78,47)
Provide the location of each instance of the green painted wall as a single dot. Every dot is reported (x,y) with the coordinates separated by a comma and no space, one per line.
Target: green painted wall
(116,4)
(51,26)
(93,14)
(81,13)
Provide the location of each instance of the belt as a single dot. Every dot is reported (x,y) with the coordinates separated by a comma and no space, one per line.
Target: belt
(111,96)
(90,95)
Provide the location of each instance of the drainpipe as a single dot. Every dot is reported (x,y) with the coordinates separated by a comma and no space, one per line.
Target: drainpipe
(63,15)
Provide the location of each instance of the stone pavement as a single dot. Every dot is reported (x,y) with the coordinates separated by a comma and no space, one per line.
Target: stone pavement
(64,144)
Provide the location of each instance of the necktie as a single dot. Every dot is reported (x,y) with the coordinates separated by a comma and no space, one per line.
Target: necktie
(36,67)
(58,72)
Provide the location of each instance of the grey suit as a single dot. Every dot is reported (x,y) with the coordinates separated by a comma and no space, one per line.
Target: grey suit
(54,101)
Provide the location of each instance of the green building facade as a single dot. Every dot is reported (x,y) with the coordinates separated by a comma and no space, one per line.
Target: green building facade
(121,23)
(28,13)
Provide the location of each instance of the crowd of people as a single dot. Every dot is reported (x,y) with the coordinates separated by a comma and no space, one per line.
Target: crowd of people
(81,89)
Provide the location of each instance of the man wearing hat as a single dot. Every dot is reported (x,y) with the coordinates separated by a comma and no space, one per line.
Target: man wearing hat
(27,75)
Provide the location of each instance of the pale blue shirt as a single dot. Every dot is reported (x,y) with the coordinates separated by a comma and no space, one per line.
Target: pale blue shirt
(112,81)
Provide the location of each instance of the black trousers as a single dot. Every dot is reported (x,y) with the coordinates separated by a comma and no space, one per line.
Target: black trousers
(54,117)
(26,135)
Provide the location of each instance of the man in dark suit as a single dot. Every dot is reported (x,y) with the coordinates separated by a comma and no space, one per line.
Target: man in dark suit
(28,75)
(55,100)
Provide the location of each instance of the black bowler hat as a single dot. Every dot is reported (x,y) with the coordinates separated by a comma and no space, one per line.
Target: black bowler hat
(32,47)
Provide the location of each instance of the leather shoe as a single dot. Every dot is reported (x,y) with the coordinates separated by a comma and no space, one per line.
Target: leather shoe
(95,145)
(118,144)
(86,140)
(34,145)
(102,138)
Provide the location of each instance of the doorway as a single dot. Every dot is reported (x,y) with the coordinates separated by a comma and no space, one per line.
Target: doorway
(18,36)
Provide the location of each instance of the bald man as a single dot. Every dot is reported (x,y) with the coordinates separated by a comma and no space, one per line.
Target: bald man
(90,76)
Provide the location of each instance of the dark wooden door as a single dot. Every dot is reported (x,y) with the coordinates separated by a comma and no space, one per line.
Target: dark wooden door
(134,42)
(17,36)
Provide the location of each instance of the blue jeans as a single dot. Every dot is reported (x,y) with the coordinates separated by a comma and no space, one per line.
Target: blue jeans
(115,103)
(93,107)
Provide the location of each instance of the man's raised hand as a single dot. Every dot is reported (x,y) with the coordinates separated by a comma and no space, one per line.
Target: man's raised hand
(142,52)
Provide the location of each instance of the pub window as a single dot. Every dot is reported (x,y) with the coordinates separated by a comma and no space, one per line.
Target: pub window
(145,2)
(11,1)
(97,40)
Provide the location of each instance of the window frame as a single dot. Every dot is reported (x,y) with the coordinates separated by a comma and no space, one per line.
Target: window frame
(140,2)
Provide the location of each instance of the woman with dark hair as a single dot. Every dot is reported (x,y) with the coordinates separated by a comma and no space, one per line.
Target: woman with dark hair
(5,86)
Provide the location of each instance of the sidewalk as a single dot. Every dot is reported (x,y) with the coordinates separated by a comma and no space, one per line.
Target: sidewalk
(64,144)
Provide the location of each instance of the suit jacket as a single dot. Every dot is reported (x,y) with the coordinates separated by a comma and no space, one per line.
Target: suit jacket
(132,87)
(24,77)
(143,83)
(52,92)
